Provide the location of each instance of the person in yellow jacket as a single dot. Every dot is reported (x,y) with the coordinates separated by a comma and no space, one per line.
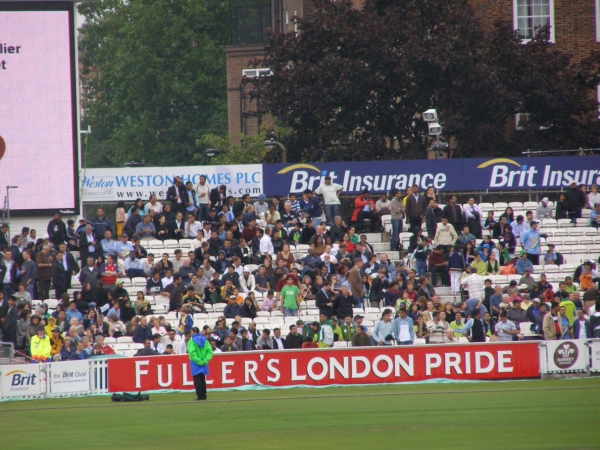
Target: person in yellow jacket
(40,346)
(56,343)
(50,324)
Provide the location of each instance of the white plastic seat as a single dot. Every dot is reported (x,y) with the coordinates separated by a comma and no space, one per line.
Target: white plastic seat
(185,243)
(339,344)
(515,205)
(550,223)
(171,243)
(500,206)
(124,340)
(156,244)
(565,223)
(263,314)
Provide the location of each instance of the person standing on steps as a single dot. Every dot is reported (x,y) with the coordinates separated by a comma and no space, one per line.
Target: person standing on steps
(200,353)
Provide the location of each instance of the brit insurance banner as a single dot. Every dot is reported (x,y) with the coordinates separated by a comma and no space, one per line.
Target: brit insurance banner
(470,174)
(69,377)
(567,356)
(128,184)
(21,380)
(330,367)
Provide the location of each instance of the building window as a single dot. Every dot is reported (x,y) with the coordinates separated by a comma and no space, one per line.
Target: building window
(531,14)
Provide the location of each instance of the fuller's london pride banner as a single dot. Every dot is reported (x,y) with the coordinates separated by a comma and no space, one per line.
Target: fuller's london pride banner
(470,174)
(349,366)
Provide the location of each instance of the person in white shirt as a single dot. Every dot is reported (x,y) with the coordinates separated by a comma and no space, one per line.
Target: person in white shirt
(261,206)
(168,279)
(474,215)
(247,282)
(177,261)
(148,265)
(593,196)
(156,344)
(197,243)
(278,343)
(330,192)
(154,205)
(266,246)
(192,227)
(181,348)
(444,234)
(203,193)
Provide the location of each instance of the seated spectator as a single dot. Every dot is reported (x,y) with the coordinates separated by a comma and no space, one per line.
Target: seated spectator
(104,349)
(506,329)
(437,328)
(523,263)
(517,314)
(595,216)
(249,310)
(133,266)
(293,339)
(232,309)
(142,331)
(156,345)
(147,350)
(265,341)
(67,350)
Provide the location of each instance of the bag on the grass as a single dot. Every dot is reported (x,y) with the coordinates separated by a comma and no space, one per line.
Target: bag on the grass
(127,397)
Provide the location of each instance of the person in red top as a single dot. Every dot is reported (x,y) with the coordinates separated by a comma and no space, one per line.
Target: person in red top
(109,273)
(364,208)
(106,349)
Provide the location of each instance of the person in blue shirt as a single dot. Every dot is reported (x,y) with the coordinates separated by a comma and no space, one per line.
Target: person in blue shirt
(403,328)
(530,240)
(312,207)
(523,263)
(519,226)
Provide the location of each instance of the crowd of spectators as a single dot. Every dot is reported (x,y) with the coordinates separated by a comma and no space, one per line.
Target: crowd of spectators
(245,255)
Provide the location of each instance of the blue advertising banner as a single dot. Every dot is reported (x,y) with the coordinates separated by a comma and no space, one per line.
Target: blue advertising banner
(474,174)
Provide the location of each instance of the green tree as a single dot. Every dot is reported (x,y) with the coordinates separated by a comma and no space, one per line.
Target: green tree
(351,84)
(153,77)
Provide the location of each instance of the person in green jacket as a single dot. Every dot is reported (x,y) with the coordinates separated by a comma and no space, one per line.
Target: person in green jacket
(200,353)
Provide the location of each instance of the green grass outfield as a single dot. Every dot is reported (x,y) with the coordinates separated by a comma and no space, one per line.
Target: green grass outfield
(558,414)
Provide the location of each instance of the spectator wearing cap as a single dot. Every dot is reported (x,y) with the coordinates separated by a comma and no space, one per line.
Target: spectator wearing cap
(524,263)
(517,314)
(543,210)
(232,308)
(260,205)
(360,338)
(526,282)
(56,343)
(530,241)
(595,216)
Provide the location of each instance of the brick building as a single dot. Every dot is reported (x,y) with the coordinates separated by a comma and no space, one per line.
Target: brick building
(575,26)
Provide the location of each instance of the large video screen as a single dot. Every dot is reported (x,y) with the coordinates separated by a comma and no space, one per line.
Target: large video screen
(37,107)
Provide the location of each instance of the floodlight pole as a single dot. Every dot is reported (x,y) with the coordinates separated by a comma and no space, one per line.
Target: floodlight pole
(7,204)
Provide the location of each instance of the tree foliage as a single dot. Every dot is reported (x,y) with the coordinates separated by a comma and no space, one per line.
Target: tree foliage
(352,83)
(153,77)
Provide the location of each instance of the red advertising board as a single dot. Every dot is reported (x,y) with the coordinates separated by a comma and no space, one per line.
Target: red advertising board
(366,365)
